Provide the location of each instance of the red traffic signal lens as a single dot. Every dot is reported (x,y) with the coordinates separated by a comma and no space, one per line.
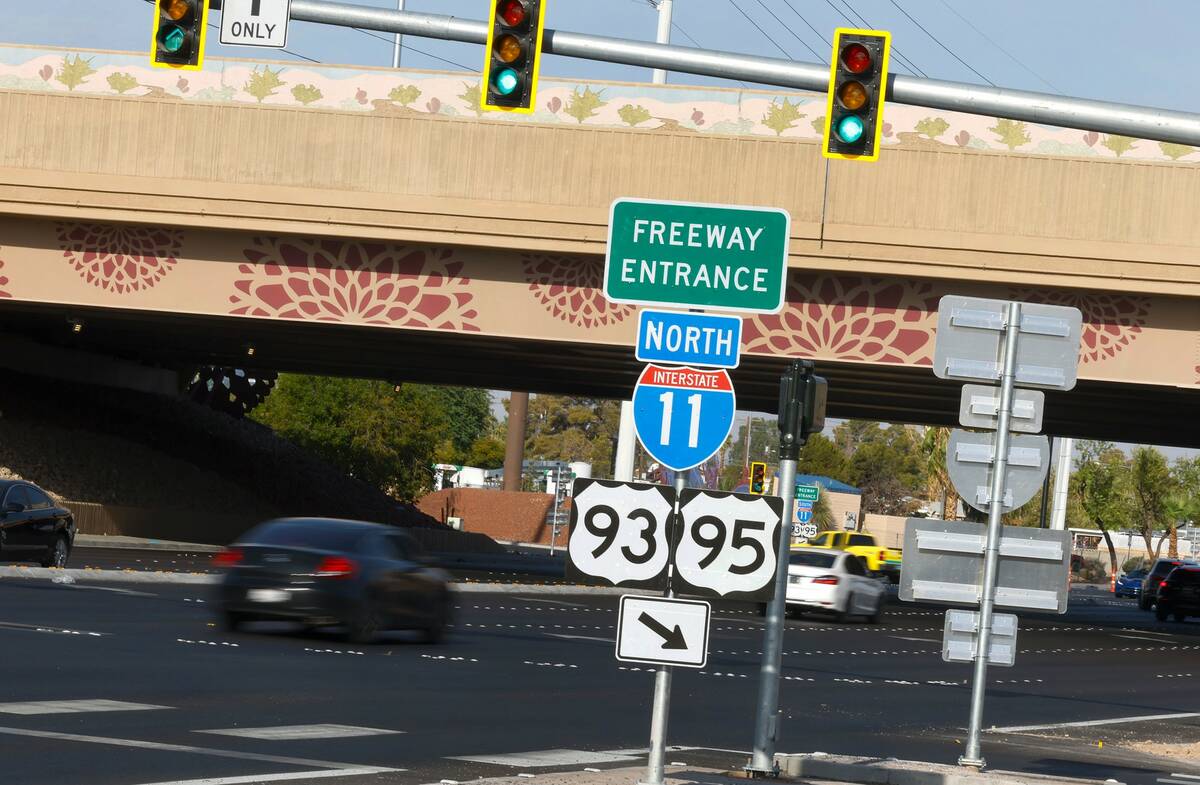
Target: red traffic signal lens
(512,12)
(855,58)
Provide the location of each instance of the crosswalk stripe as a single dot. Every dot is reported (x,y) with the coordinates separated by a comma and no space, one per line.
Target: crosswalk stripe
(301,732)
(73,706)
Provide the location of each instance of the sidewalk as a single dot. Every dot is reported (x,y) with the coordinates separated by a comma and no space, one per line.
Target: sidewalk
(809,768)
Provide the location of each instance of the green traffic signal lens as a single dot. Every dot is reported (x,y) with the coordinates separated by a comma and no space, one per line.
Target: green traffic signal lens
(173,38)
(850,129)
(506,81)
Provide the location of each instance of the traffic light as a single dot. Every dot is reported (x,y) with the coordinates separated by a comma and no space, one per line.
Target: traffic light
(179,32)
(510,71)
(802,396)
(758,478)
(857,83)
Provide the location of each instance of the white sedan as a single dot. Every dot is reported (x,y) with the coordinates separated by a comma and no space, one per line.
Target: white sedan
(834,581)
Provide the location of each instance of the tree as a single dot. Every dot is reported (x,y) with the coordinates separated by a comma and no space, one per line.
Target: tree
(937,476)
(570,428)
(821,457)
(369,430)
(885,463)
(486,453)
(1100,479)
(468,414)
(1151,483)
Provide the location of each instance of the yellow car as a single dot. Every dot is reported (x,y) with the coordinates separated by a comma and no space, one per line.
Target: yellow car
(879,560)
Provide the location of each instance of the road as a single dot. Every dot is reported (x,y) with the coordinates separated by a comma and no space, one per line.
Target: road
(532,672)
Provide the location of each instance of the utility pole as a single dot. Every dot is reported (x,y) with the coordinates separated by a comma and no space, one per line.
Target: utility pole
(396,47)
(514,449)
(659,75)
(1062,482)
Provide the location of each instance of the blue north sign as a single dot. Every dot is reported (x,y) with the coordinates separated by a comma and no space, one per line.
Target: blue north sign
(689,338)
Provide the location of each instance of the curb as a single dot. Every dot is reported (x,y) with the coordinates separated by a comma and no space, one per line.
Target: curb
(121,542)
(890,771)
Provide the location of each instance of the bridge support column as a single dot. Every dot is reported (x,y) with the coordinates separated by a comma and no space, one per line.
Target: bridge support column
(626,440)
(514,450)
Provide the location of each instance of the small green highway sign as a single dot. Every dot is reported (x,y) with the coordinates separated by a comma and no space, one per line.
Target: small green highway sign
(724,257)
(808,493)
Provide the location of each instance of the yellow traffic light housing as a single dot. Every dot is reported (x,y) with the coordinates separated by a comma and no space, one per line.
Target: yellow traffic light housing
(758,478)
(179,32)
(513,56)
(857,84)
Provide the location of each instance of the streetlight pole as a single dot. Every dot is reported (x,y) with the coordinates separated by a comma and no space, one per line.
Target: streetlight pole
(659,75)
(398,45)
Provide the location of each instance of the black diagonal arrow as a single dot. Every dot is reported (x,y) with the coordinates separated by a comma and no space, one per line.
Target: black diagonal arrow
(672,639)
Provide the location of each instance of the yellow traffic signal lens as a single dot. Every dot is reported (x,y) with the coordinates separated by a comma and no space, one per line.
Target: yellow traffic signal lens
(508,49)
(852,95)
(176,9)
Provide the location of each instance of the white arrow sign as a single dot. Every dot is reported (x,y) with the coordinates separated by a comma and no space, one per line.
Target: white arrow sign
(663,631)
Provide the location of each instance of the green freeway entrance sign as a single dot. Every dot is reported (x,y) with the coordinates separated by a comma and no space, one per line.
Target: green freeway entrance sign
(724,257)
(808,493)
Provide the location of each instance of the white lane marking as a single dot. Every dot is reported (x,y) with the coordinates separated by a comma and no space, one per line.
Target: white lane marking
(73,707)
(923,640)
(296,775)
(1090,723)
(1141,638)
(217,753)
(131,592)
(540,758)
(551,602)
(579,637)
(296,732)
(12,625)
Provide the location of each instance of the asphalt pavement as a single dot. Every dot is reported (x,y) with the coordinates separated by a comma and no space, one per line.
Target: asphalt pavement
(527,683)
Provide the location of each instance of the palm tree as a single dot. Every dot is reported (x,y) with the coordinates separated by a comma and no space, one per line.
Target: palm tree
(937,477)
(1179,508)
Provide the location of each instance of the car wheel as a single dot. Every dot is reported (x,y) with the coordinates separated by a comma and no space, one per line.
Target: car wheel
(1160,613)
(877,616)
(436,630)
(843,616)
(365,624)
(1179,616)
(232,620)
(56,554)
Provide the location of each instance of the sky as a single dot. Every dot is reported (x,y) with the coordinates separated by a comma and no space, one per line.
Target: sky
(1108,50)
(1105,49)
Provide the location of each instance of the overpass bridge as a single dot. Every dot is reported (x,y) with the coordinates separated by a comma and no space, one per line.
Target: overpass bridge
(373,222)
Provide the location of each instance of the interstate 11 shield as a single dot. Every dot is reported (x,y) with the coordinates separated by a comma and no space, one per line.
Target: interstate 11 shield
(682,415)
(619,533)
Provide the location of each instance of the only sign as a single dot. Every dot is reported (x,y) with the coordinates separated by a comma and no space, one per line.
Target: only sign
(619,532)
(727,545)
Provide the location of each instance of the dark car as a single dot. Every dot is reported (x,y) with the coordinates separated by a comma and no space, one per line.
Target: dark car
(1149,591)
(1130,583)
(366,577)
(32,526)
(1179,594)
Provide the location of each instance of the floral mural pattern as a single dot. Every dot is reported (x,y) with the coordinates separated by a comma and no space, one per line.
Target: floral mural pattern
(846,317)
(1111,321)
(571,289)
(119,259)
(354,282)
(3,282)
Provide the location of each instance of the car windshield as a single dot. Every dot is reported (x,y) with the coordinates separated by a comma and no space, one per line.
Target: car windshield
(812,559)
(306,534)
(1136,574)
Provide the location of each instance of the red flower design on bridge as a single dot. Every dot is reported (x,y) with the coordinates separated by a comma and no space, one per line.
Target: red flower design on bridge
(1110,320)
(846,317)
(571,288)
(3,282)
(118,258)
(355,282)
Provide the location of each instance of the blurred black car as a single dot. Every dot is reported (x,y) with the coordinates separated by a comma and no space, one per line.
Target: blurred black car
(1148,593)
(366,577)
(1179,594)
(32,527)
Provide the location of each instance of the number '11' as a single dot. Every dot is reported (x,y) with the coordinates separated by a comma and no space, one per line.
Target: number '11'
(668,401)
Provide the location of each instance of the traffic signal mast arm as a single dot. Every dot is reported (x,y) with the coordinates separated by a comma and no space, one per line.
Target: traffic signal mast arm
(1086,115)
